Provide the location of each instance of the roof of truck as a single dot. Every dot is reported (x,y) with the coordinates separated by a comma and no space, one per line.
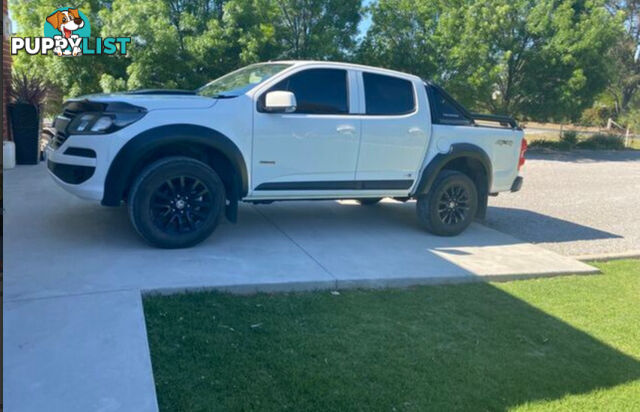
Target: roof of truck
(347,66)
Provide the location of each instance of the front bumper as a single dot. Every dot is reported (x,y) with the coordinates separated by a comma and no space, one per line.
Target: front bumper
(71,174)
(79,165)
(517,184)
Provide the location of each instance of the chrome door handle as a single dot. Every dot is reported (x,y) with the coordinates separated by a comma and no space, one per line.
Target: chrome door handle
(346,129)
(415,131)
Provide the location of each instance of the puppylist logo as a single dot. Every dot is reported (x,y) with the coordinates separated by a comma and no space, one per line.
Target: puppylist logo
(66,33)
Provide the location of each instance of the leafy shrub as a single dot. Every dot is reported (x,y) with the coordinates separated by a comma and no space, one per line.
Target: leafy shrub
(597,116)
(547,144)
(602,141)
(631,119)
(534,144)
(569,138)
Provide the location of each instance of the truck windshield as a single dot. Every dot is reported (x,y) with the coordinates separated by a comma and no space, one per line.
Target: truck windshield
(238,82)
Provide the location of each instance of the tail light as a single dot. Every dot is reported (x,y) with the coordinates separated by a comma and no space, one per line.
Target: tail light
(523,149)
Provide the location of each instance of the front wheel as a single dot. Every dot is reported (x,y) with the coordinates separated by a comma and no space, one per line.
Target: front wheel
(450,206)
(176,202)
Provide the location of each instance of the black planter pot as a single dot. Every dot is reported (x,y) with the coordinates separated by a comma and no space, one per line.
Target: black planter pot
(25,122)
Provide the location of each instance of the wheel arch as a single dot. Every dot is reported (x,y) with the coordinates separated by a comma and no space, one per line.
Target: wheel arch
(199,142)
(468,159)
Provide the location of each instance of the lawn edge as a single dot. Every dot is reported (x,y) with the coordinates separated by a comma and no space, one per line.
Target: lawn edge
(346,284)
(601,257)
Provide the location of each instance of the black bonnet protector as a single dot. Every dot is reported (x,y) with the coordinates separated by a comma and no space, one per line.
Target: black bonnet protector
(162,91)
(83,106)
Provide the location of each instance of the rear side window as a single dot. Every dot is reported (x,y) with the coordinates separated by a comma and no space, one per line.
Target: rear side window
(386,95)
(317,91)
(444,110)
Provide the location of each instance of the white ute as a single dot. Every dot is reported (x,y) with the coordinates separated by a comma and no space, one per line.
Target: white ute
(283,131)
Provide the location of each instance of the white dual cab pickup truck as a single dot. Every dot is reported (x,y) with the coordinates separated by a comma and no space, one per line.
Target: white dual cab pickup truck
(285,130)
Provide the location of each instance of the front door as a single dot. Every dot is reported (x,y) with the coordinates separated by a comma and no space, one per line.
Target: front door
(314,148)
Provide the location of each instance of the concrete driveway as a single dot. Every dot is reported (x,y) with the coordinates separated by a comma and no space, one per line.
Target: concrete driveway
(74,334)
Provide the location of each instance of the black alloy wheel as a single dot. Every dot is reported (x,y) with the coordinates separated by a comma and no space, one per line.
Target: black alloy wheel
(453,205)
(181,204)
(176,202)
(450,205)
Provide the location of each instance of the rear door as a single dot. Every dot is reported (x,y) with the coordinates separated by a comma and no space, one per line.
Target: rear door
(394,132)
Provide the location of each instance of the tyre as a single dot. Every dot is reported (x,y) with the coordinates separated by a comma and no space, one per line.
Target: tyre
(450,206)
(176,202)
(367,201)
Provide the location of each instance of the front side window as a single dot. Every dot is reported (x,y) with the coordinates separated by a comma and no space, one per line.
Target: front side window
(317,91)
(387,95)
(241,81)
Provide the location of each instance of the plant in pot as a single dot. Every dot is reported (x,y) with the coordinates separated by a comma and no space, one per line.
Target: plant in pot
(27,94)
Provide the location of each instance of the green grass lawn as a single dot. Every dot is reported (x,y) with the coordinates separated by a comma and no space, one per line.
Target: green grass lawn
(546,344)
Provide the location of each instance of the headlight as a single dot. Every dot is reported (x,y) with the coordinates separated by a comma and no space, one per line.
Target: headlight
(102,123)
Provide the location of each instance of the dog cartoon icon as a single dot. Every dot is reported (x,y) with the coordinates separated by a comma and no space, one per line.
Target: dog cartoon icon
(66,22)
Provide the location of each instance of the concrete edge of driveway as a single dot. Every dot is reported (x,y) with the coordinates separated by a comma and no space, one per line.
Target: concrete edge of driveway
(631,254)
(246,288)
(344,284)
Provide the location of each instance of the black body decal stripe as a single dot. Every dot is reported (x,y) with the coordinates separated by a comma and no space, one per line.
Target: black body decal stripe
(339,185)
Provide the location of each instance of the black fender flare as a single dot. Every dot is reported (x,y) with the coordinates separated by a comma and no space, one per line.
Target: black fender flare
(124,163)
(457,151)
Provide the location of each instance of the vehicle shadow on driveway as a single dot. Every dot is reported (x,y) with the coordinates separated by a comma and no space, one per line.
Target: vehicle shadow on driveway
(523,224)
(462,347)
(538,228)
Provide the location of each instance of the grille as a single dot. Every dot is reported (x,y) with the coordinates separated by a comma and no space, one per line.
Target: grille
(58,140)
(60,125)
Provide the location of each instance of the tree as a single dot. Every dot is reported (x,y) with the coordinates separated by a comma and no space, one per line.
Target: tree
(538,59)
(166,51)
(185,43)
(625,56)
(405,35)
(295,29)
(71,76)
(318,29)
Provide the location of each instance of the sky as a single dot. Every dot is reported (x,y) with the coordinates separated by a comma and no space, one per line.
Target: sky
(365,23)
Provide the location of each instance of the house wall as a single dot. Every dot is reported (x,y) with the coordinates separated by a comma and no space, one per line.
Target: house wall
(6,72)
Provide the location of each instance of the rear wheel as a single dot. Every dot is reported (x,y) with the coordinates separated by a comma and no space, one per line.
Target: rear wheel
(367,201)
(176,202)
(450,206)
